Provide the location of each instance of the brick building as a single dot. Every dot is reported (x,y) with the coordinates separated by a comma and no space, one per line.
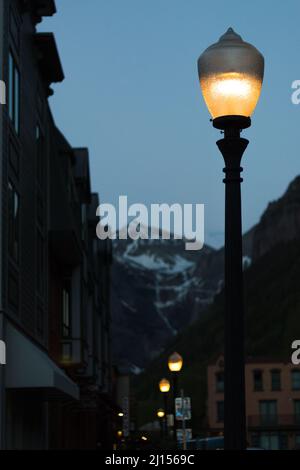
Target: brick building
(272,402)
(55,391)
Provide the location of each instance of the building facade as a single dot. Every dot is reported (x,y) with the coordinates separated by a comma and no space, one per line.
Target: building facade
(272,402)
(54,273)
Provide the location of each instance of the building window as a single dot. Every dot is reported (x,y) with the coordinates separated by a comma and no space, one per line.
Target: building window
(220,411)
(297,411)
(66,352)
(255,440)
(13,222)
(66,310)
(273,441)
(39,154)
(40,322)
(14,29)
(40,259)
(220,382)
(297,441)
(296,379)
(13,291)
(268,412)
(275,380)
(14,158)
(14,93)
(83,221)
(258,380)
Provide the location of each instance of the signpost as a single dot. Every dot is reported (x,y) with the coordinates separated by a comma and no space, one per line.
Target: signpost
(183,408)
(183,412)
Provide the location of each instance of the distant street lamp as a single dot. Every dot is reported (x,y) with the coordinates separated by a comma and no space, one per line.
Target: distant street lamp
(161,414)
(231,75)
(175,363)
(164,387)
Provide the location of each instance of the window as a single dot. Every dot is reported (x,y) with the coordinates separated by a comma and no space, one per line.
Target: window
(255,439)
(83,221)
(66,310)
(275,380)
(40,322)
(296,379)
(14,29)
(273,441)
(39,155)
(268,412)
(66,352)
(40,259)
(14,93)
(220,411)
(13,222)
(258,380)
(220,381)
(297,411)
(13,291)
(14,158)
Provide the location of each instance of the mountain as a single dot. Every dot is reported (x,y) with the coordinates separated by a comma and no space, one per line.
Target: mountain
(272,322)
(272,308)
(158,288)
(280,222)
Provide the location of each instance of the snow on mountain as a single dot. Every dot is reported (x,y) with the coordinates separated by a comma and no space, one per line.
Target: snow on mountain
(158,289)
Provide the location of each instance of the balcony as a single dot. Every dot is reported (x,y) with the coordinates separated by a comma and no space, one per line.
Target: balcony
(274,421)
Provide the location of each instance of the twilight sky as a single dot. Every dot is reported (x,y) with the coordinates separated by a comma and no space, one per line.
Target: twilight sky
(131,95)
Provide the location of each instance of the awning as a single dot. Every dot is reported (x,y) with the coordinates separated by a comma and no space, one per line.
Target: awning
(29,368)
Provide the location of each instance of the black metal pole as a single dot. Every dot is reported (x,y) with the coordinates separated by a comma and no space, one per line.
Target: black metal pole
(175,393)
(232,148)
(166,414)
(162,424)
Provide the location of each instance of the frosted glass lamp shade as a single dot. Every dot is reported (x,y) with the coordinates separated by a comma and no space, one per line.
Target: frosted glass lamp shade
(175,362)
(231,75)
(164,386)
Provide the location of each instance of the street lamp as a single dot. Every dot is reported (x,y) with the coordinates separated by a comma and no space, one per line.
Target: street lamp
(231,75)
(161,414)
(175,363)
(164,387)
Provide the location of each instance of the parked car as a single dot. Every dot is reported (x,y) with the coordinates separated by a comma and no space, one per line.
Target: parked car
(210,443)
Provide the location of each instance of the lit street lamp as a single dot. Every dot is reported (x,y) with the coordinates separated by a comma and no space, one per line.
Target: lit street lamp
(164,387)
(175,363)
(161,414)
(231,75)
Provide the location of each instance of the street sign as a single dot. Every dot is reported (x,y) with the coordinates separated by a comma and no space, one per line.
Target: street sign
(188,435)
(183,408)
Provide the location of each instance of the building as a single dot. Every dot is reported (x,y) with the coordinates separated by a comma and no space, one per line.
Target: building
(55,390)
(272,402)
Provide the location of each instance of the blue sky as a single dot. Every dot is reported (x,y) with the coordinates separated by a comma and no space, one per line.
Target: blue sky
(131,95)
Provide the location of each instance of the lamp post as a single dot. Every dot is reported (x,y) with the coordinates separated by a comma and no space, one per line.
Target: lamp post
(161,414)
(175,363)
(164,387)
(231,75)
